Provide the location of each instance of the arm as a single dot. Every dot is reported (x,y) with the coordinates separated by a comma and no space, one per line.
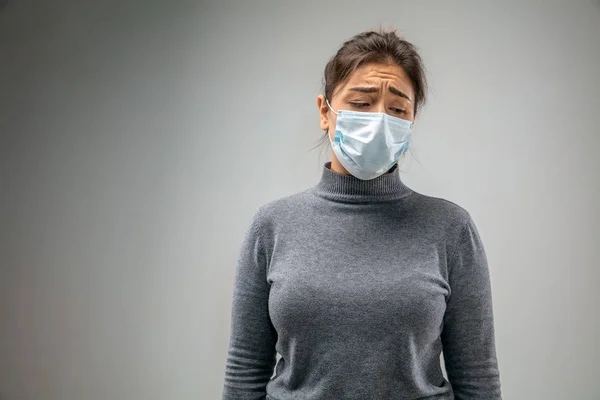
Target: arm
(251,355)
(468,333)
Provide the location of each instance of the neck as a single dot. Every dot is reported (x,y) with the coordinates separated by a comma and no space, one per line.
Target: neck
(336,166)
(340,187)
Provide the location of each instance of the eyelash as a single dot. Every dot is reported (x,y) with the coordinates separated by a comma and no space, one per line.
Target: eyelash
(363,105)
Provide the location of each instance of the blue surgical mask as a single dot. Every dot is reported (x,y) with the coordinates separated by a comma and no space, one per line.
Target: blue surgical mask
(369,144)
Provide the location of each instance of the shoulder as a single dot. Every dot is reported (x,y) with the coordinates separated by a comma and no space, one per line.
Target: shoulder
(280,210)
(438,217)
(439,209)
(453,222)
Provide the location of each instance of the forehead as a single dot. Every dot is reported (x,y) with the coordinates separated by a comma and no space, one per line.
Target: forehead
(375,74)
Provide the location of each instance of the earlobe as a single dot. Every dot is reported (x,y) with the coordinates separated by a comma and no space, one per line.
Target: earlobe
(323,112)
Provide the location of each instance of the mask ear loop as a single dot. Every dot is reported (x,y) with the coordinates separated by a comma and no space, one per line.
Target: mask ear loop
(329,105)
(332,110)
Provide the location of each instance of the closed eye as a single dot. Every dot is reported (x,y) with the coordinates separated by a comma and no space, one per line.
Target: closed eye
(399,110)
(359,105)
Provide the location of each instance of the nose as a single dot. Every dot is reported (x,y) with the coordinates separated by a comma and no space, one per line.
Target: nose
(379,106)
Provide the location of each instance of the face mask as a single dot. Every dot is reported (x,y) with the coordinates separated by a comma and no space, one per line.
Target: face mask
(369,144)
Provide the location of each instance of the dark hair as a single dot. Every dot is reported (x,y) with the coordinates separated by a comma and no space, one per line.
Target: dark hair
(379,47)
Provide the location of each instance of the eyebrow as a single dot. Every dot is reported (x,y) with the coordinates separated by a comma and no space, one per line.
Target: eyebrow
(372,89)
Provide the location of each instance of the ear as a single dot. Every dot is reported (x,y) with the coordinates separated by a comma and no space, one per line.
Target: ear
(323,112)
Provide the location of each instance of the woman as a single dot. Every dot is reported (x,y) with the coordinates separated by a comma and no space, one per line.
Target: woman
(359,282)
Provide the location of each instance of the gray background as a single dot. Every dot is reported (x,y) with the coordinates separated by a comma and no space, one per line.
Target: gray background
(138,138)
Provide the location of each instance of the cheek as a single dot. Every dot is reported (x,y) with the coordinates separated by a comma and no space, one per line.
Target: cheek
(332,120)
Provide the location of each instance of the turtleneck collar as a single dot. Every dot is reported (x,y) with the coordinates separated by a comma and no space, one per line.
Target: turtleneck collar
(348,188)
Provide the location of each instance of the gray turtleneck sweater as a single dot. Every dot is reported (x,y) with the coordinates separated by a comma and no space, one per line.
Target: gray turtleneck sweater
(359,286)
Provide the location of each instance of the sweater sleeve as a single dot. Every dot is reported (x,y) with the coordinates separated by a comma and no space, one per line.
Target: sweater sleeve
(251,355)
(468,333)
